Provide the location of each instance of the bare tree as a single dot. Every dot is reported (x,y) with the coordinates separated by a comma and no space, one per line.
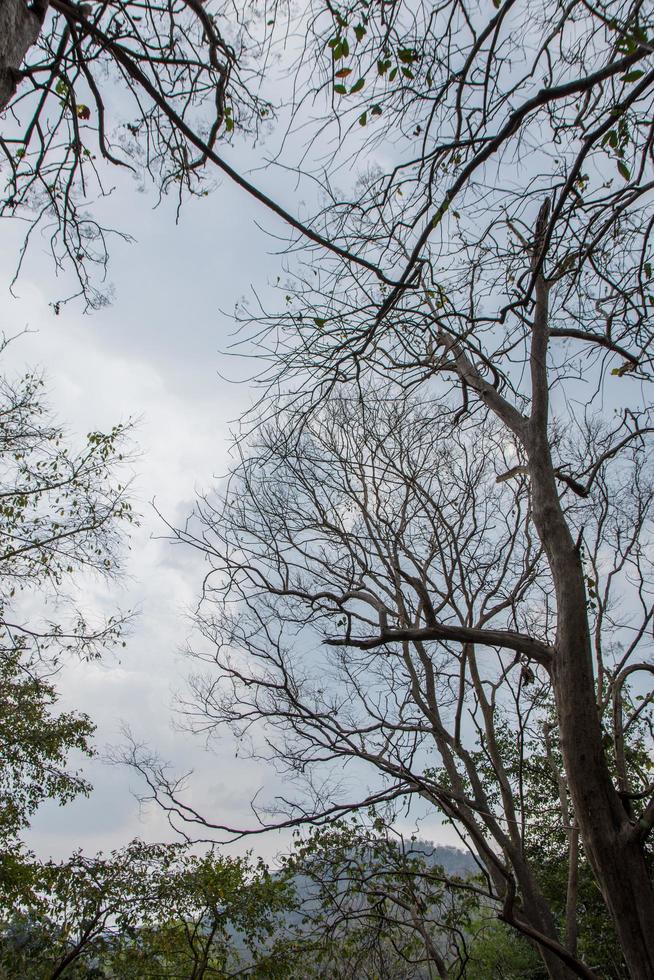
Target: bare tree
(513,224)
(518,224)
(378,598)
(178,85)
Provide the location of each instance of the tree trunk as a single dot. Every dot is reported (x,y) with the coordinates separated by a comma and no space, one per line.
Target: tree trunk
(572,888)
(538,914)
(612,849)
(19,29)
(609,840)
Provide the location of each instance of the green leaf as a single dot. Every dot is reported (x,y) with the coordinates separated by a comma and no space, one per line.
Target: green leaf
(340,89)
(319,322)
(392,75)
(627,45)
(363,119)
(623,169)
(357,86)
(632,76)
(407,73)
(359,31)
(376,110)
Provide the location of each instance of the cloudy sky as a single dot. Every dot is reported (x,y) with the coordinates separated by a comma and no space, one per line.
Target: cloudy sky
(153,355)
(156,354)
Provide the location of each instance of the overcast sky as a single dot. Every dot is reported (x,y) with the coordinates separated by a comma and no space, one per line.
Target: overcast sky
(154,355)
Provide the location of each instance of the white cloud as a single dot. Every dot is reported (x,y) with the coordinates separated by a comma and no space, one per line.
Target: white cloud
(157,363)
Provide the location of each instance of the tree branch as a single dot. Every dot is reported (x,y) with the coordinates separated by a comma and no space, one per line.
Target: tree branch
(535,650)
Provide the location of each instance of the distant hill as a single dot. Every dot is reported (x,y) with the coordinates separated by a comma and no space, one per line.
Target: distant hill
(453,860)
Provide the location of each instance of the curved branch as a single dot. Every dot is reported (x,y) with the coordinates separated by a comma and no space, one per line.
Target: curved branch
(541,653)
(76,13)
(600,339)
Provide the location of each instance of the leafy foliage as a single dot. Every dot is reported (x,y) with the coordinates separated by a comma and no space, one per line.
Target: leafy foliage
(34,748)
(148,910)
(61,514)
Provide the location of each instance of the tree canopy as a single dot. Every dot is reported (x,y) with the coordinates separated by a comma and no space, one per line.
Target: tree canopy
(429,576)
(489,547)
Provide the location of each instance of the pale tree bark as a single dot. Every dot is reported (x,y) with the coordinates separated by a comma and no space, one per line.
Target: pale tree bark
(19,28)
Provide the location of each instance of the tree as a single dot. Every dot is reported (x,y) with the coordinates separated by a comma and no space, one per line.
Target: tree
(34,746)
(376,596)
(555,849)
(500,954)
(189,75)
(146,910)
(504,264)
(377,905)
(213,916)
(61,514)
(181,89)
(517,225)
